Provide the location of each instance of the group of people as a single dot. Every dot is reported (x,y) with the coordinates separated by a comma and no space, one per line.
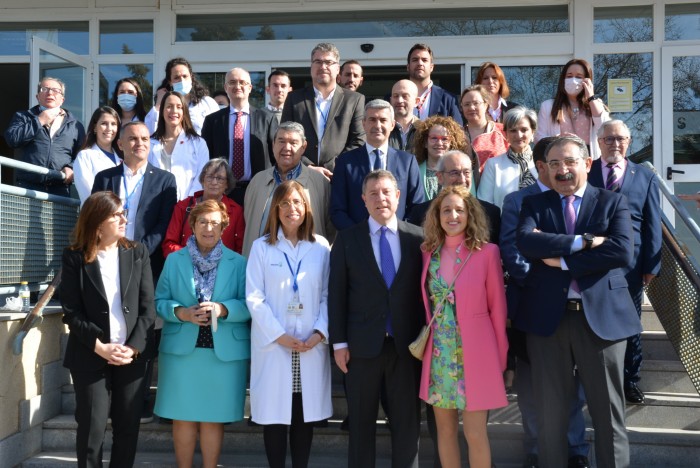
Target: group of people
(265,242)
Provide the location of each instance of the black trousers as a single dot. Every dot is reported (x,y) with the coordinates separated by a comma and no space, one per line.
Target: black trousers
(300,436)
(116,392)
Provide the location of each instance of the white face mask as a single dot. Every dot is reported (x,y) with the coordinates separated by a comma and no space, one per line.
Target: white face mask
(573,85)
(183,87)
(126,101)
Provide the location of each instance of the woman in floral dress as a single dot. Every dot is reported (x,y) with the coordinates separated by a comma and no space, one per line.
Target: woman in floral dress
(466,353)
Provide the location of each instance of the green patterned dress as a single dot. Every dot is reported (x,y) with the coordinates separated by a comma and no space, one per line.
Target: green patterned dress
(446,385)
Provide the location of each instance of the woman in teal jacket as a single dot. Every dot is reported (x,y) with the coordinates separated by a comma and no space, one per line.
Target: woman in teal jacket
(205,344)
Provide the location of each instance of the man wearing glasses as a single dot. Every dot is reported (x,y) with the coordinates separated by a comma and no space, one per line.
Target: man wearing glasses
(240,133)
(48,136)
(331,116)
(613,171)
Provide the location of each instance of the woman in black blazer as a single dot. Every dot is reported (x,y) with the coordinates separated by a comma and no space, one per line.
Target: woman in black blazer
(107,298)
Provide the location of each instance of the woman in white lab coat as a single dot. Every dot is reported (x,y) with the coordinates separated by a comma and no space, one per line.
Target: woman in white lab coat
(176,147)
(287,292)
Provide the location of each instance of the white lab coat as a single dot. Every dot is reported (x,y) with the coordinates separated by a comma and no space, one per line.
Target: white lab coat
(268,292)
(190,154)
(198,112)
(87,164)
(500,177)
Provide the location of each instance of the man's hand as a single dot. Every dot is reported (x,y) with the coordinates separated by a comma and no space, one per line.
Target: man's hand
(553,262)
(597,241)
(69,175)
(325,172)
(647,277)
(342,357)
(49,115)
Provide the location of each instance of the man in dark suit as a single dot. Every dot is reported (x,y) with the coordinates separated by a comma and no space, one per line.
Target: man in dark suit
(331,115)
(455,168)
(346,207)
(432,99)
(251,130)
(575,305)
(613,171)
(375,312)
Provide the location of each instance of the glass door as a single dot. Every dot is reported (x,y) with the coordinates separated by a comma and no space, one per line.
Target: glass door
(76,72)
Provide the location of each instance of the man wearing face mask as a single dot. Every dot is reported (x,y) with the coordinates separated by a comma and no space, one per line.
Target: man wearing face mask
(48,136)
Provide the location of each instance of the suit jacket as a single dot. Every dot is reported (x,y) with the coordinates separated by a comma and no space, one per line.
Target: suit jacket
(642,191)
(600,271)
(263,126)
(359,300)
(158,198)
(347,207)
(343,132)
(86,310)
(176,288)
(493,216)
(444,103)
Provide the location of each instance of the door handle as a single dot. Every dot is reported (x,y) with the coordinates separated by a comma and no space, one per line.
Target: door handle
(670,171)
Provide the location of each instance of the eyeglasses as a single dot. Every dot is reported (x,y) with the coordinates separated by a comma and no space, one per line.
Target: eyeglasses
(436,139)
(234,83)
(467,173)
(611,140)
(203,223)
(287,204)
(324,63)
(119,215)
(472,104)
(47,90)
(218,180)
(568,162)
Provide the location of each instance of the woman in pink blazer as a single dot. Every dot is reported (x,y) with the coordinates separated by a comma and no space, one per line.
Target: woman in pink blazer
(465,357)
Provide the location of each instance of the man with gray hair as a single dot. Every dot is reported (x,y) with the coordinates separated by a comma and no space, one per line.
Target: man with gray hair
(331,116)
(49,136)
(347,208)
(288,147)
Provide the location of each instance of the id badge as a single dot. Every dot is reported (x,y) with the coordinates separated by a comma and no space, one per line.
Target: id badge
(295,308)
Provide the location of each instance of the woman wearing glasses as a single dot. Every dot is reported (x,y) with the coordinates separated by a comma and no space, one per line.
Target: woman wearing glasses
(433,138)
(287,292)
(107,298)
(216,179)
(205,344)
(486,136)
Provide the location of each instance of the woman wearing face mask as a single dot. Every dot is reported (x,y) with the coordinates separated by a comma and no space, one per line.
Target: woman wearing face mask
(179,77)
(127,100)
(575,109)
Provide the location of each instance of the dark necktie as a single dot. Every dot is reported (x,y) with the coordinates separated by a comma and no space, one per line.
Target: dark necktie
(613,181)
(377,159)
(238,165)
(570,221)
(386,260)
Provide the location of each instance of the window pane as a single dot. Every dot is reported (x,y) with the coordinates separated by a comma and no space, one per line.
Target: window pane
(15,38)
(360,24)
(529,85)
(682,22)
(110,74)
(126,37)
(686,109)
(639,67)
(623,24)
(215,82)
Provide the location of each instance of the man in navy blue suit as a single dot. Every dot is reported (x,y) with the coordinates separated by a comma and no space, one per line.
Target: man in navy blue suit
(351,168)
(575,306)
(613,171)
(432,99)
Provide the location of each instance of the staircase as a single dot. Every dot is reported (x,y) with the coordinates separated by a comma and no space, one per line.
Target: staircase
(665,432)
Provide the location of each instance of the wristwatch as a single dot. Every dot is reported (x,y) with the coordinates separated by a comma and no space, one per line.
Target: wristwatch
(593,98)
(588,240)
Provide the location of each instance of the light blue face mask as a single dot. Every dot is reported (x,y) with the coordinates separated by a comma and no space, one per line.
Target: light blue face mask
(126,101)
(183,87)
(222,106)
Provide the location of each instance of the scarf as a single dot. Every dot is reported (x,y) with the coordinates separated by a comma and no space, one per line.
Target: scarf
(523,159)
(204,268)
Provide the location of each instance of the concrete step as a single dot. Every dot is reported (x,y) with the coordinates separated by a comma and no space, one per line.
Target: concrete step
(656,346)
(650,321)
(666,377)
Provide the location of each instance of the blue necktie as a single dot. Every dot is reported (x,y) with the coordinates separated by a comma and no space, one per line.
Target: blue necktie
(386,259)
(377,161)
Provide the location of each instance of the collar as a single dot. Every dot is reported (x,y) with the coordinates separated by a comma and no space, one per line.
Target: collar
(410,125)
(291,175)
(384,148)
(319,97)
(273,108)
(129,173)
(245,109)
(543,187)
(579,193)
(501,102)
(374,226)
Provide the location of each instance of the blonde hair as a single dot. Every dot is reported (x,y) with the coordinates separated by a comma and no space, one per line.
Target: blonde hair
(476,233)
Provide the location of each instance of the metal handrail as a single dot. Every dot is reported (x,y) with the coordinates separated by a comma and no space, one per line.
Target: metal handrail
(22,192)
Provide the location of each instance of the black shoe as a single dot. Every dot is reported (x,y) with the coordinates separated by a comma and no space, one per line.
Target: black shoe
(345,425)
(579,461)
(146,415)
(531,461)
(633,394)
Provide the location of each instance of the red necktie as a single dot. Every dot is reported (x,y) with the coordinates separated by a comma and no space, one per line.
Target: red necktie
(238,151)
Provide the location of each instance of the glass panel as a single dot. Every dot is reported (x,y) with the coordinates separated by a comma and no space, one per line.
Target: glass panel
(16,38)
(126,37)
(638,67)
(623,24)
(684,235)
(215,82)
(74,78)
(360,24)
(682,22)
(529,85)
(110,74)
(686,110)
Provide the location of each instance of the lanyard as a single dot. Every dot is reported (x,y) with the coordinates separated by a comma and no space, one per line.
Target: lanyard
(127,195)
(295,286)
(422,99)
